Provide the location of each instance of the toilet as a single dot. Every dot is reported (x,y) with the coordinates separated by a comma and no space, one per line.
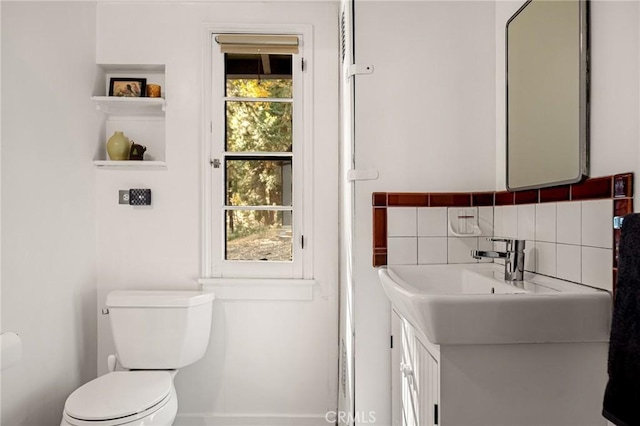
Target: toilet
(155,333)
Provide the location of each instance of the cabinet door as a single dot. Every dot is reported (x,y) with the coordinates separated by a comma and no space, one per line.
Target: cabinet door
(428,386)
(396,374)
(407,368)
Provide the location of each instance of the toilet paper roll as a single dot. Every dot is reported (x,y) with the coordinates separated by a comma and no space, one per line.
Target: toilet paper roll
(10,349)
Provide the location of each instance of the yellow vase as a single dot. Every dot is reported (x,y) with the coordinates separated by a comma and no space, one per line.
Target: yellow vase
(118,146)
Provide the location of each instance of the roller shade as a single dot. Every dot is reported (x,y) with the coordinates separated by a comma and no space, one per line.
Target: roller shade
(258,43)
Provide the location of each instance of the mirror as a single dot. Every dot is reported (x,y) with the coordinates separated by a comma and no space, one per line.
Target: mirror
(547,94)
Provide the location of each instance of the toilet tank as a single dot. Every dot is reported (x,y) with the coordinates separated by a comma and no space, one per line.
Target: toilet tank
(157,330)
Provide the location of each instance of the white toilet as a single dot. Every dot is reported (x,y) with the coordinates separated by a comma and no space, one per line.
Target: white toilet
(155,333)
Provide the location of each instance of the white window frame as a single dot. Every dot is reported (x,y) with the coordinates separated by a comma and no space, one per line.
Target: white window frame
(213,264)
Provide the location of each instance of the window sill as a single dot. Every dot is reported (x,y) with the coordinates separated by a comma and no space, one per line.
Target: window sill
(259,288)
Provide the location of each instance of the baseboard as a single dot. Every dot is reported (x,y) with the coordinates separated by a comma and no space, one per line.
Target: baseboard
(243,420)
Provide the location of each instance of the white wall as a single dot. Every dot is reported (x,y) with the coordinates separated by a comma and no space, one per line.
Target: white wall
(615,87)
(267,359)
(425,119)
(48,239)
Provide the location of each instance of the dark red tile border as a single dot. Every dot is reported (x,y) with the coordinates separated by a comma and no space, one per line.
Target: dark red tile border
(450,199)
(408,199)
(526,197)
(504,198)
(482,199)
(380,228)
(555,194)
(592,189)
(622,206)
(379,259)
(379,199)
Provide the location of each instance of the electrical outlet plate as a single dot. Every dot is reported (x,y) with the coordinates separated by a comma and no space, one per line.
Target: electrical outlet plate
(123,196)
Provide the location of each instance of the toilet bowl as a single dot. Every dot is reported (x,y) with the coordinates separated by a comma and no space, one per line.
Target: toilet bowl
(155,333)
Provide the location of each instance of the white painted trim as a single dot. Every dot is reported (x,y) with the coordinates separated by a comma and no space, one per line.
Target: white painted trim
(239,420)
(303,269)
(205,157)
(258,288)
(129,164)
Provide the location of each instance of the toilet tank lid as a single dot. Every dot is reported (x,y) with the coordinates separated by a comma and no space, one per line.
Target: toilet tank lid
(157,298)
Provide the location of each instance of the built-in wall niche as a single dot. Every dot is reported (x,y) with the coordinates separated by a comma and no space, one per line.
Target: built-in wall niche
(141,119)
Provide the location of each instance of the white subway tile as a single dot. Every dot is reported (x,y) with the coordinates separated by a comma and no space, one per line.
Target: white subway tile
(485,219)
(432,221)
(498,221)
(526,221)
(459,249)
(509,222)
(569,219)
(597,223)
(546,258)
(432,250)
(597,267)
(530,256)
(568,262)
(402,222)
(546,222)
(402,250)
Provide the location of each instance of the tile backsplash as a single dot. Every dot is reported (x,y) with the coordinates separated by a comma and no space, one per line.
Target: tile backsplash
(421,235)
(567,229)
(569,240)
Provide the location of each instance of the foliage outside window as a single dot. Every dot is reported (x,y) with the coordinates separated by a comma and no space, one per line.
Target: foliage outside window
(258,157)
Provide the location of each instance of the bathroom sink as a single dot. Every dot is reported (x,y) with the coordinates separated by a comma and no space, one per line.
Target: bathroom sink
(472,304)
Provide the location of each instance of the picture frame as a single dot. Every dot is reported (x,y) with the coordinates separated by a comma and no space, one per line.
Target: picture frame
(128,87)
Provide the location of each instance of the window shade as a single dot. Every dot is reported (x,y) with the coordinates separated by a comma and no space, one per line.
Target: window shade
(257,43)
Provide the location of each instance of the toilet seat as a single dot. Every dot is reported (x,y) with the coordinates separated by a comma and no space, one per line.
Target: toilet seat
(119,397)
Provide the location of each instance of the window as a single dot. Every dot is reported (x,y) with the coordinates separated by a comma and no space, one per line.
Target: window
(257,177)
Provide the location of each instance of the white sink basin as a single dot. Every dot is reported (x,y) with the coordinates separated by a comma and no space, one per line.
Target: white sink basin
(472,304)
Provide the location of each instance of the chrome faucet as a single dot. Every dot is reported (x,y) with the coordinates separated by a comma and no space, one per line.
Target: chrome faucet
(513,256)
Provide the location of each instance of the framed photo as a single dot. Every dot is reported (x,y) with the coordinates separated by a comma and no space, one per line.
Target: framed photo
(127,87)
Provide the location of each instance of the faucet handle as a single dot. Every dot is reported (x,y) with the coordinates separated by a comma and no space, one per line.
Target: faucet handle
(500,240)
(512,243)
(509,241)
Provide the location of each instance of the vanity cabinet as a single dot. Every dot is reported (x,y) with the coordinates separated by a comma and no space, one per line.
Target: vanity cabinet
(141,119)
(494,384)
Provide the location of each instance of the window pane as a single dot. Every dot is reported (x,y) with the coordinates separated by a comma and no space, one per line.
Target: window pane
(258,75)
(258,182)
(259,126)
(258,235)
(259,88)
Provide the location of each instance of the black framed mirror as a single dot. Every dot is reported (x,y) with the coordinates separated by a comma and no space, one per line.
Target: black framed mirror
(547,105)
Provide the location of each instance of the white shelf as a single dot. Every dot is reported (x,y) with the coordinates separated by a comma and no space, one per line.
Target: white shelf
(115,105)
(129,165)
